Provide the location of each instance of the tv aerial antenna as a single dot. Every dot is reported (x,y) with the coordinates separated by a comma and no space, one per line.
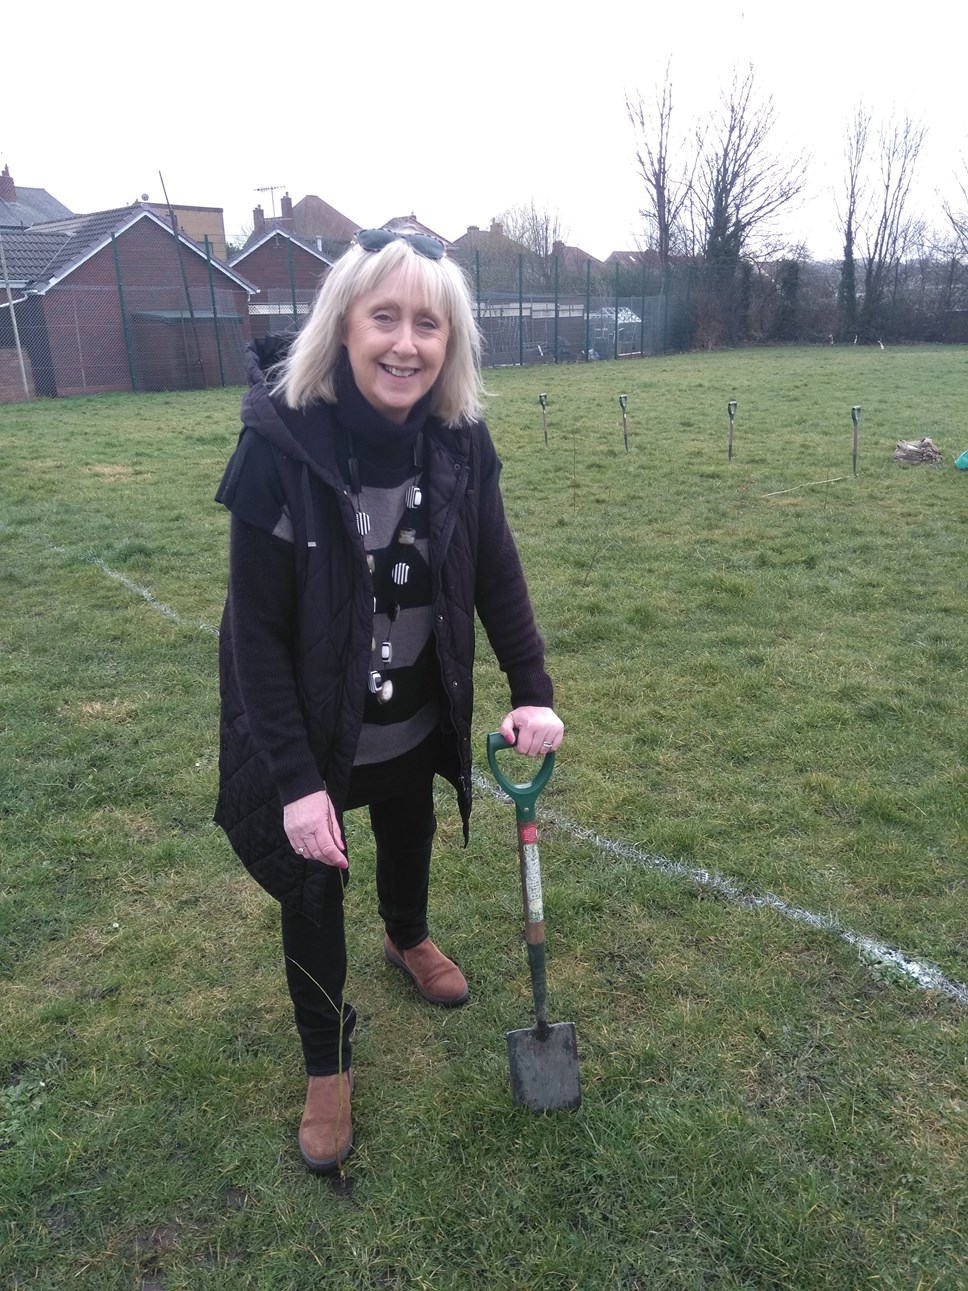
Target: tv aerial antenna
(272,189)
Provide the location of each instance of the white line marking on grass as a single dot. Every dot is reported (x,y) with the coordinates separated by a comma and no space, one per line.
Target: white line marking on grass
(148,596)
(927,976)
(144,592)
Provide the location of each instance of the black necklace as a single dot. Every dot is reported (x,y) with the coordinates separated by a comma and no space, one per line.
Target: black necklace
(378,683)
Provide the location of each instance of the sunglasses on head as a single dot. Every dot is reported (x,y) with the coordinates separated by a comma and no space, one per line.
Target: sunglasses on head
(377,239)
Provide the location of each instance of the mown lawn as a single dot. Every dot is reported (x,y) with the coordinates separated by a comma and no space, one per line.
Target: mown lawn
(762,668)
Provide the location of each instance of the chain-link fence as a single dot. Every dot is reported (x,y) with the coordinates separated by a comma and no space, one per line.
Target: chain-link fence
(521,324)
(563,329)
(564,309)
(89,339)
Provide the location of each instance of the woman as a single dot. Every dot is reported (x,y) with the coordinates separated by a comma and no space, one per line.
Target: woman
(367,528)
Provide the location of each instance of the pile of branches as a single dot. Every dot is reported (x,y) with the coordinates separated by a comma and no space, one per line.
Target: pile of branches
(917,454)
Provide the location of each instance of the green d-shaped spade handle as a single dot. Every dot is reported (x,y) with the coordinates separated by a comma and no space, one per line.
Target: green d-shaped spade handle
(524,796)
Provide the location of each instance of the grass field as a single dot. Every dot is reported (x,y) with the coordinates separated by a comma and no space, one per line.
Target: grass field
(754,848)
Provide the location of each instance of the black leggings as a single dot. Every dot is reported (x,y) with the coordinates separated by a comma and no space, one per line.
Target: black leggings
(403,826)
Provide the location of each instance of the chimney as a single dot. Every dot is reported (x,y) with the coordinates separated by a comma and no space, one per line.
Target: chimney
(258,220)
(557,248)
(8,190)
(286,206)
(472,228)
(497,227)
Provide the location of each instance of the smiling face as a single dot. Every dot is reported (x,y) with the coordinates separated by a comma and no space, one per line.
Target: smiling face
(396,345)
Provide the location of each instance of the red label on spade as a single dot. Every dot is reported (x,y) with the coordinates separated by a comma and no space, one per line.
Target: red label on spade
(528,833)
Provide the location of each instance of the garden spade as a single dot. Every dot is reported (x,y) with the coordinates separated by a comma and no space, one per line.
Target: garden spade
(543,1058)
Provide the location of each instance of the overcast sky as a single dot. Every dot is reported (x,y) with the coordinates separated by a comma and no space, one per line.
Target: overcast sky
(451,112)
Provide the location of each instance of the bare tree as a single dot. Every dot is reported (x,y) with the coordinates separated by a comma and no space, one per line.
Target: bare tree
(855,151)
(876,222)
(723,190)
(956,212)
(891,227)
(715,195)
(236,241)
(536,230)
(667,194)
(741,185)
(951,248)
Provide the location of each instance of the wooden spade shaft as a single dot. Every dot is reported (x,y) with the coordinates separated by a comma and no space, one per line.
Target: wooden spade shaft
(534,932)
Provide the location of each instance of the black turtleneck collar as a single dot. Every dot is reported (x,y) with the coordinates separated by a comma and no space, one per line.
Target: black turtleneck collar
(374,436)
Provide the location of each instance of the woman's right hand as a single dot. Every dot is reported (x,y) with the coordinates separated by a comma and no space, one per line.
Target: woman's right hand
(313,830)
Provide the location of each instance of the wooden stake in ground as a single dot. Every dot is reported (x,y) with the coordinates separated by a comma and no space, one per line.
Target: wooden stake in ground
(543,400)
(623,402)
(855,418)
(731,409)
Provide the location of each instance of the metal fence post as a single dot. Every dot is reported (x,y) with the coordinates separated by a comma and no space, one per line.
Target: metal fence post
(292,287)
(588,305)
(557,303)
(211,288)
(477,281)
(521,310)
(124,312)
(642,317)
(616,309)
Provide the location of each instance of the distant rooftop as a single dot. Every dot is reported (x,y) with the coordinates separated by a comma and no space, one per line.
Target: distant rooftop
(22,207)
(410,224)
(254,241)
(39,257)
(310,218)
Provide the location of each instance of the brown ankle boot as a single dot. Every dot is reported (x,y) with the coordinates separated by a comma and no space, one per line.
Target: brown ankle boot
(437,978)
(326,1130)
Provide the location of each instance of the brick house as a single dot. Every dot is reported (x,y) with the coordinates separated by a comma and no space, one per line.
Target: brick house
(113,301)
(287,271)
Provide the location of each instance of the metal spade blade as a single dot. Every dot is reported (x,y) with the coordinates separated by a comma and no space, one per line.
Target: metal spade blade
(544,1067)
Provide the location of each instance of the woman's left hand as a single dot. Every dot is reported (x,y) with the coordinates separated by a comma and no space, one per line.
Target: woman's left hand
(533,731)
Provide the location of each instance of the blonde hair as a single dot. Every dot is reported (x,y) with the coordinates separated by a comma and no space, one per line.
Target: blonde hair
(309,370)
